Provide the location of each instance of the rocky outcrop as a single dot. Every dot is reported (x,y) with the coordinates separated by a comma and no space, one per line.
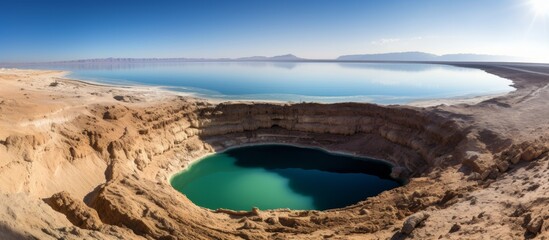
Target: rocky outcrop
(411,139)
(24,145)
(154,211)
(424,134)
(533,225)
(76,211)
(413,221)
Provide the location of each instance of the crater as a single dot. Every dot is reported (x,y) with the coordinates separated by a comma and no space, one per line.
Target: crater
(273,176)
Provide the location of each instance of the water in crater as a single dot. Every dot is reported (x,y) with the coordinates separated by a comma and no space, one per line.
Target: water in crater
(282,176)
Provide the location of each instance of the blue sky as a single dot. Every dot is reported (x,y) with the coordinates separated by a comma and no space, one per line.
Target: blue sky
(62,30)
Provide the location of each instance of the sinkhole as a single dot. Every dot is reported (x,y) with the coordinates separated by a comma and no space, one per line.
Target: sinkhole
(282,176)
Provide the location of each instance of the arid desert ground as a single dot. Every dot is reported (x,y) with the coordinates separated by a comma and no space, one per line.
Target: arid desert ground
(88,161)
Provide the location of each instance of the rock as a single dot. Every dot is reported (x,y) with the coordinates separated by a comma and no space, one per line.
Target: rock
(143,131)
(397,172)
(109,115)
(128,98)
(255,211)
(502,166)
(530,153)
(474,176)
(122,98)
(364,211)
(478,162)
(449,195)
(249,225)
(368,228)
(493,174)
(516,158)
(413,221)
(27,157)
(533,187)
(256,218)
(490,173)
(272,220)
(534,226)
(237,213)
(76,211)
(115,112)
(456,227)
(292,222)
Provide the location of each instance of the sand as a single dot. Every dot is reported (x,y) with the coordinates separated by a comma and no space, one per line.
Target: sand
(83,160)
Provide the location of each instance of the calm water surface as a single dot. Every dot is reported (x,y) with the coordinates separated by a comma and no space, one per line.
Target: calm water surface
(384,83)
(282,176)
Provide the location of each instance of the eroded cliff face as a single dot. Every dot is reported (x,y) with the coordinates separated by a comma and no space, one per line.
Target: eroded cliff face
(416,139)
(106,166)
(141,147)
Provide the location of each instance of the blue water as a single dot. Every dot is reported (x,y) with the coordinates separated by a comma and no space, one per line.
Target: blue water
(282,176)
(384,83)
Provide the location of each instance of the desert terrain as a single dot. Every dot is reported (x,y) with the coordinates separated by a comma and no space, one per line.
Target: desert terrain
(81,160)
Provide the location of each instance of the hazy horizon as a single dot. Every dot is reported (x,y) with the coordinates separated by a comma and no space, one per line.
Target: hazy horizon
(62,30)
(393,56)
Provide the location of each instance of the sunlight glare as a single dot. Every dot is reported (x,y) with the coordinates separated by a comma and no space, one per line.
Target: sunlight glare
(540,7)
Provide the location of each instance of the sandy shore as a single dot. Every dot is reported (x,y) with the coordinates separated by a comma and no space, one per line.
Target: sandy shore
(84,160)
(454,101)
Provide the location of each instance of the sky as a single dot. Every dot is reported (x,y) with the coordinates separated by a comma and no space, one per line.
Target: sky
(42,30)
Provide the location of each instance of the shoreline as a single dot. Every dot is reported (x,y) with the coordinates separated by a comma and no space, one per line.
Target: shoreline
(457,100)
(421,103)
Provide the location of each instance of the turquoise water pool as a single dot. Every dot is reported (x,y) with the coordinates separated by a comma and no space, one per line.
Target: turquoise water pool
(282,176)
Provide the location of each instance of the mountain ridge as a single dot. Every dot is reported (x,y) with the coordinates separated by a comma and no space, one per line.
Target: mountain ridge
(423,56)
(411,56)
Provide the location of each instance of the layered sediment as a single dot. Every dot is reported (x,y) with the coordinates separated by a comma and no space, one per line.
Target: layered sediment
(94,161)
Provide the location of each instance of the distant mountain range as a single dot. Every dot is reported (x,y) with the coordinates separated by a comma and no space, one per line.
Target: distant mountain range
(422,56)
(287,57)
(399,56)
